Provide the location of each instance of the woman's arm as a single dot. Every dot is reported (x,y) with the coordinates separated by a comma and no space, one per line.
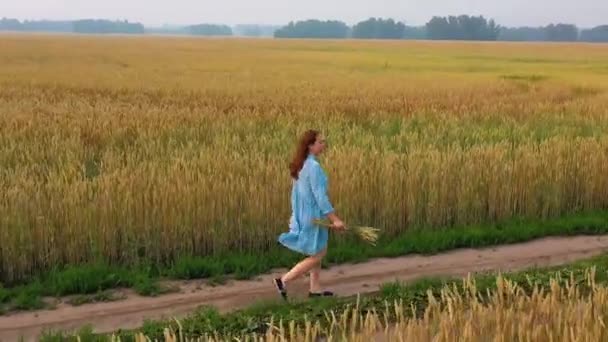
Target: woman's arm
(319,191)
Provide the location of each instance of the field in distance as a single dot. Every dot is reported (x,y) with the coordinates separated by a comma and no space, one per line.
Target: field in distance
(144,149)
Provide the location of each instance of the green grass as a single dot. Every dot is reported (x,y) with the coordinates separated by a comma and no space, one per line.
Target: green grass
(207,320)
(4,295)
(82,280)
(88,279)
(93,278)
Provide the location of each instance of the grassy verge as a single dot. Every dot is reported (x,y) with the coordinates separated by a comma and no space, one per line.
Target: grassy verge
(96,278)
(256,318)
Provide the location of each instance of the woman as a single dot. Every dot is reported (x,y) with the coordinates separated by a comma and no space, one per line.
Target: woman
(309,201)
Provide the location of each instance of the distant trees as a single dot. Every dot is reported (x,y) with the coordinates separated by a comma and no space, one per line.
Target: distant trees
(378,29)
(596,34)
(7,24)
(462,27)
(100,26)
(555,33)
(561,33)
(48,26)
(78,26)
(313,29)
(210,30)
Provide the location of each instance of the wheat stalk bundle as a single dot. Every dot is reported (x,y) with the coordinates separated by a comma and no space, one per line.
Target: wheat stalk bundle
(367,234)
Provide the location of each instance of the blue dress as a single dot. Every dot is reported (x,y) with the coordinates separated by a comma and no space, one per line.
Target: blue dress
(309,201)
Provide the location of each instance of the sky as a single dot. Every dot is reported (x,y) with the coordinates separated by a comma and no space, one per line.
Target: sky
(584,13)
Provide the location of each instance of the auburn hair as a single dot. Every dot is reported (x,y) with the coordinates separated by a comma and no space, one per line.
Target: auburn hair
(308,138)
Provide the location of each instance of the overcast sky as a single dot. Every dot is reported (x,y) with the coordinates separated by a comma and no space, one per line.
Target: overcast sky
(584,13)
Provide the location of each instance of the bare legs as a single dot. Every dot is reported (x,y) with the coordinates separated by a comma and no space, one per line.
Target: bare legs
(315,273)
(311,264)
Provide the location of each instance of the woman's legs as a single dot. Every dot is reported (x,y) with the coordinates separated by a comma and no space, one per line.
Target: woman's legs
(312,264)
(315,273)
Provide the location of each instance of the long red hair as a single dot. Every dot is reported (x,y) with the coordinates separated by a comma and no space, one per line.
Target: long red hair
(308,138)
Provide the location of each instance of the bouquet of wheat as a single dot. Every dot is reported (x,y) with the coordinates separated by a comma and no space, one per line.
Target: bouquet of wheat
(367,234)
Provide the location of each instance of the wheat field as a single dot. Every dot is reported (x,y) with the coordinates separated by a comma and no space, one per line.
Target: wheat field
(132,149)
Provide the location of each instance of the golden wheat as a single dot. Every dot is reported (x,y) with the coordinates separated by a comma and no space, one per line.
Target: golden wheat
(130,149)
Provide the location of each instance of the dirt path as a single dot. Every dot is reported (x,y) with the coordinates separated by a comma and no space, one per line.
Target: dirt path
(344,280)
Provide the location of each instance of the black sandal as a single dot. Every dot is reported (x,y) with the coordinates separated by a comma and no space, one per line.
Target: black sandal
(322,294)
(278,283)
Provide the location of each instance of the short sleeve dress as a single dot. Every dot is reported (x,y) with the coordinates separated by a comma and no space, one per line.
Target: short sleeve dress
(309,201)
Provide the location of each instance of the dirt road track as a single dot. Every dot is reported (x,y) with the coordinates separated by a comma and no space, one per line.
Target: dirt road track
(345,280)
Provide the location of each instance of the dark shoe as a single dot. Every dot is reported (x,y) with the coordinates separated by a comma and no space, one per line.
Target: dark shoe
(278,283)
(322,294)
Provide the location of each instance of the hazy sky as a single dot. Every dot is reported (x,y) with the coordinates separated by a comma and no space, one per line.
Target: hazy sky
(157,12)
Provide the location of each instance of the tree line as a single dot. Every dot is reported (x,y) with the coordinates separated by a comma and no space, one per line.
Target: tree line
(461,27)
(76,26)
(101,26)
(106,26)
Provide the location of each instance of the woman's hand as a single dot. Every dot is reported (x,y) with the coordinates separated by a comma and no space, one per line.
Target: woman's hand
(336,223)
(339,225)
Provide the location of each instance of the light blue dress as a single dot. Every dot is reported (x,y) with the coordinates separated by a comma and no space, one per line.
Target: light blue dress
(309,201)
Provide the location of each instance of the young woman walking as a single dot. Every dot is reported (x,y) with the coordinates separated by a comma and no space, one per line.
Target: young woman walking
(309,201)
